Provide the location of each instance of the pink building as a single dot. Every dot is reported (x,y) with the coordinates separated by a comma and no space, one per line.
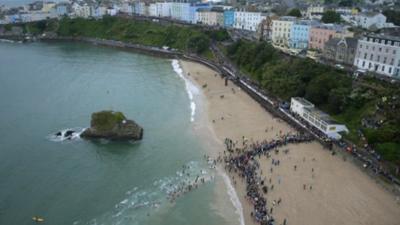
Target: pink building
(320,34)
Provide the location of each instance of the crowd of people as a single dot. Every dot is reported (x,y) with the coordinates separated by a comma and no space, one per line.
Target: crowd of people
(190,179)
(243,161)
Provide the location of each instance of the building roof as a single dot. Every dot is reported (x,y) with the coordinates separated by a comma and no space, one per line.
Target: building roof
(320,115)
(309,107)
(287,18)
(217,9)
(351,42)
(303,101)
(329,26)
(384,37)
(306,22)
(369,14)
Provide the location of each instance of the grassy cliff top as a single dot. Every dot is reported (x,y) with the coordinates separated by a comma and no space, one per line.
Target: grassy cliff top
(106,120)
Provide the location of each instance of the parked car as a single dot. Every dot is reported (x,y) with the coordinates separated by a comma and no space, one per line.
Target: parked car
(339,66)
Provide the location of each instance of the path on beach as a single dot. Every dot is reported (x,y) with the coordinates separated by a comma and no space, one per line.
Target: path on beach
(341,192)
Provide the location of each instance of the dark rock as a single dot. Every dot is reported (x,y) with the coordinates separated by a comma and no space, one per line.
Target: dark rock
(69,133)
(113,126)
(58,134)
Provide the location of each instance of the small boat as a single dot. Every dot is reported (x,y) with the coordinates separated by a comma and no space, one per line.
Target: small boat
(37,219)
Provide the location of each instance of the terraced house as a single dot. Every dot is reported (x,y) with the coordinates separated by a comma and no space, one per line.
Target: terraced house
(320,34)
(248,20)
(210,17)
(299,34)
(380,54)
(340,50)
(281,30)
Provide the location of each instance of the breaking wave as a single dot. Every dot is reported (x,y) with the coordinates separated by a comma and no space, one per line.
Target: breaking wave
(191,89)
(233,196)
(139,203)
(66,134)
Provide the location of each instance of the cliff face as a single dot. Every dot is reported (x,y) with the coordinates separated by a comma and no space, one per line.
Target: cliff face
(113,126)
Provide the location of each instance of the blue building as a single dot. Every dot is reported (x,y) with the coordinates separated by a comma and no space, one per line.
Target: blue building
(192,11)
(229,18)
(299,34)
(62,9)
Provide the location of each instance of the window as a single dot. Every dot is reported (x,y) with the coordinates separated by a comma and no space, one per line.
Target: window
(360,46)
(390,69)
(380,49)
(371,57)
(365,55)
(392,61)
(384,60)
(363,63)
(383,68)
(379,58)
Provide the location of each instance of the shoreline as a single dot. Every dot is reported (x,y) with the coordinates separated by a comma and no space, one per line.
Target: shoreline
(257,134)
(270,104)
(232,113)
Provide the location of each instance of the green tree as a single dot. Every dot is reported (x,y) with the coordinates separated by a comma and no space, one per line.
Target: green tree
(41,25)
(331,17)
(198,44)
(346,3)
(8,27)
(337,99)
(295,12)
(393,16)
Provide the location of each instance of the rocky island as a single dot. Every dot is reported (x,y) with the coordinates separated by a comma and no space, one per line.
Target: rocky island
(113,126)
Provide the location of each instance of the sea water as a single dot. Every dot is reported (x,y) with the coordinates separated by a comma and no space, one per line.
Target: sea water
(46,88)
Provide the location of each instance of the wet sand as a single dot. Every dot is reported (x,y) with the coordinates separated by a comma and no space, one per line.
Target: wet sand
(341,192)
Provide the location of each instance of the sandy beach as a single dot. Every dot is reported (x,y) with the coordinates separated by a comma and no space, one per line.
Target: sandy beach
(323,189)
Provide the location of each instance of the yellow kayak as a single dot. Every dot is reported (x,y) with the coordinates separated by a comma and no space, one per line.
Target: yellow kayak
(37,219)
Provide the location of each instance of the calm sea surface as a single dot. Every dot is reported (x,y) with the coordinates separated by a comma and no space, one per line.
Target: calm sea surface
(45,88)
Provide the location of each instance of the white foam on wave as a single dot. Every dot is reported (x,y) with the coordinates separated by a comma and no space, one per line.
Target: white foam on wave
(6,41)
(139,202)
(191,89)
(75,136)
(233,196)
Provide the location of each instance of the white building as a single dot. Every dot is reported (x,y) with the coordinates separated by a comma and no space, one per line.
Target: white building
(281,29)
(153,10)
(127,8)
(248,20)
(344,10)
(371,20)
(163,9)
(380,54)
(48,6)
(112,11)
(37,16)
(99,12)
(180,11)
(315,12)
(318,119)
(210,17)
(81,10)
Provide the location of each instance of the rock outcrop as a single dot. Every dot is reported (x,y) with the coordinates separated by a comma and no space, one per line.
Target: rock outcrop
(113,126)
